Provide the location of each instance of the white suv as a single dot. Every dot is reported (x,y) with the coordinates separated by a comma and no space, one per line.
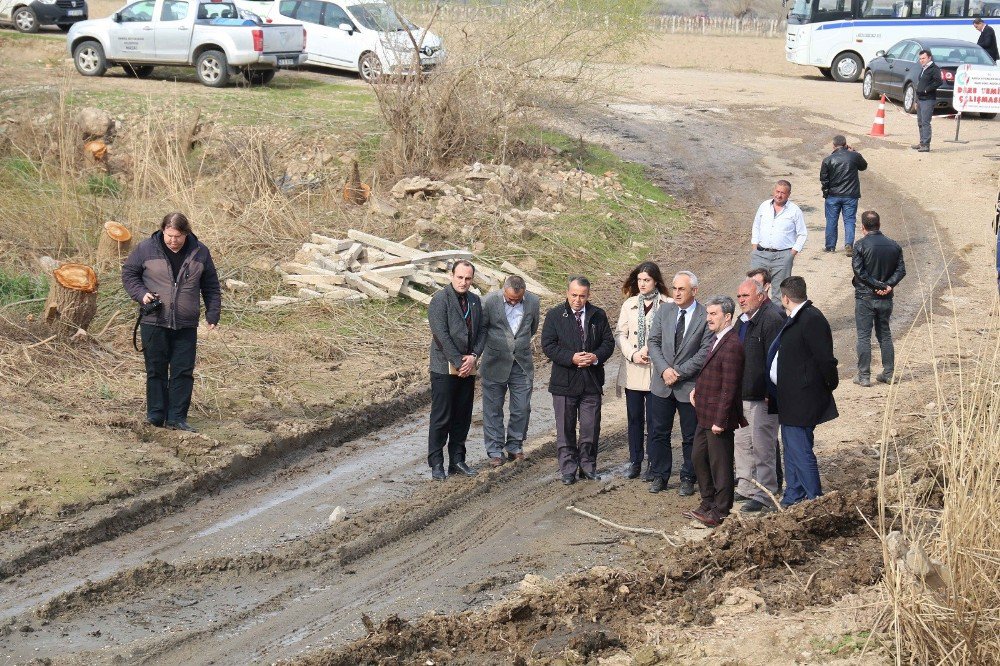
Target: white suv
(368,37)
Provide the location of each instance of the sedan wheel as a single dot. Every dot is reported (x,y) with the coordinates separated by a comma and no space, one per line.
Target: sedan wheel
(25,20)
(868,86)
(910,99)
(369,67)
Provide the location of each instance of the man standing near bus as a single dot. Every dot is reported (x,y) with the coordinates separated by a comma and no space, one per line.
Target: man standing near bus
(987,38)
(927,85)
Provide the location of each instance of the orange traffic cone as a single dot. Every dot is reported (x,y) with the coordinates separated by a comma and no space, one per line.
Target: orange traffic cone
(878,127)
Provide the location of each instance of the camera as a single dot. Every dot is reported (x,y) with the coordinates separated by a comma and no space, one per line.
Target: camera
(146,309)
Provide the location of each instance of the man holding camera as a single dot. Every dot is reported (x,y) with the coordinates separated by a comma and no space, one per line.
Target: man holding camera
(169,274)
(838,176)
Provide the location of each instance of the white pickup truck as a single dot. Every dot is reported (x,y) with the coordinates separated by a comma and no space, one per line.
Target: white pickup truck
(207,34)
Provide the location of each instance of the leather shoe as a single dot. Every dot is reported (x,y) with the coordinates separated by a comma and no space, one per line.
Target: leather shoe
(916,146)
(155,423)
(862,381)
(496,462)
(633,471)
(648,476)
(882,379)
(437,473)
(753,506)
(707,519)
(924,149)
(179,425)
(657,485)
(515,456)
(461,468)
(686,489)
(740,498)
(568,479)
(590,476)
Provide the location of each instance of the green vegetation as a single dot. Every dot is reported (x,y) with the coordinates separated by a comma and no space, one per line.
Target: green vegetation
(16,287)
(843,646)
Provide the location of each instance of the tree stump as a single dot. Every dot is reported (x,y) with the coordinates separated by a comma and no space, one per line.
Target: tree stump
(72,301)
(114,245)
(355,191)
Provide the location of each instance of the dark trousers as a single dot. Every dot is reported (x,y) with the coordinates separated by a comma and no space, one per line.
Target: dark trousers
(661,425)
(638,407)
(451,416)
(169,356)
(874,313)
(712,456)
(577,451)
(801,469)
(925,111)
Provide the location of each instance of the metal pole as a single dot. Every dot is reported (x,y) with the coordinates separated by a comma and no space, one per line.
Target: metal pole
(958,126)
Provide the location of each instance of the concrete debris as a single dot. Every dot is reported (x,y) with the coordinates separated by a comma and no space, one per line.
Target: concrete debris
(365,266)
(236,285)
(338,515)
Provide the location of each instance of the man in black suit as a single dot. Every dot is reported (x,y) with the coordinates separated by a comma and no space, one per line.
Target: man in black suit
(455,315)
(578,340)
(927,85)
(987,38)
(802,376)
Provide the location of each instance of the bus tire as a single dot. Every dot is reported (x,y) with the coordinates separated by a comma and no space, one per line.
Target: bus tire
(868,86)
(847,67)
(826,72)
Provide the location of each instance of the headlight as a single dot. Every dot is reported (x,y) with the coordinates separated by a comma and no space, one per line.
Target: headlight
(47,2)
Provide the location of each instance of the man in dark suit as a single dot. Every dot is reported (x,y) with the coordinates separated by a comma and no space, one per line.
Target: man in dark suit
(578,340)
(717,399)
(802,375)
(678,344)
(510,320)
(987,38)
(927,85)
(455,316)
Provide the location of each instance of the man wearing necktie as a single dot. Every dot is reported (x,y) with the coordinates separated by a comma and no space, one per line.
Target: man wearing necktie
(678,343)
(802,375)
(510,321)
(455,316)
(577,338)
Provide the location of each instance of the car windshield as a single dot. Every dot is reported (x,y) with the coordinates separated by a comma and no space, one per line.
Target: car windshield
(379,16)
(972,55)
(800,11)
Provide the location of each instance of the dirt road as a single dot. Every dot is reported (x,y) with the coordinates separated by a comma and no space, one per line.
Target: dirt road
(254,573)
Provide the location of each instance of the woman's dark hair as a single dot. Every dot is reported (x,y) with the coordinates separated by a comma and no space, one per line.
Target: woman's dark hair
(631,286)
(176,221)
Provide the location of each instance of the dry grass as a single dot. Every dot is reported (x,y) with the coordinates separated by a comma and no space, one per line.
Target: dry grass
(939,499)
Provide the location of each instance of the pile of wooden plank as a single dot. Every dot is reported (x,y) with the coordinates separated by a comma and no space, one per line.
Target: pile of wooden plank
(364,266)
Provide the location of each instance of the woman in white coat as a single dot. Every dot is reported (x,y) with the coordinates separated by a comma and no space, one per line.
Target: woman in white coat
(646,291)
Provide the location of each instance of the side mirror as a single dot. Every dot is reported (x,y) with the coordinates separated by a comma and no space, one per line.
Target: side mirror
(879,54)
(116,17)
(347,27)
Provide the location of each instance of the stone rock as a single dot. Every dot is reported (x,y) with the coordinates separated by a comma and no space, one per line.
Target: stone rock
(528,264)
(917,561)
(382,208)
(426,226)
(739,601)
(236,285)
(94,123)
(409,186)
(449,206)
(524,233)
(48,264)
(478,247)
(895,544)
(646,656)
(533,583)
(338,515)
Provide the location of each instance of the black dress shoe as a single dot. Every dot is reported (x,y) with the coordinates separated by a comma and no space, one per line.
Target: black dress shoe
(461,468)
(686,489)
(568,479)
(179,425)
(590,476)
(154,422)
(437,473)
(633,471)
(648,476)
(740,498)
(657,485)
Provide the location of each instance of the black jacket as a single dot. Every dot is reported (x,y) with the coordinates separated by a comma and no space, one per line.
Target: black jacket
(561,339)
(988,40)
(929,82)
(807,370)
(877,263)
(148,269)
(838,175)
(761,331)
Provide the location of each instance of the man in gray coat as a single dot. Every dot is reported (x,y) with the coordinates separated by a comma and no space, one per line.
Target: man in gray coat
(510,320)
(455,316)
(678,342)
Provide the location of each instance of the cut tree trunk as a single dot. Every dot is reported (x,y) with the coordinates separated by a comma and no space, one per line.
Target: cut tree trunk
(355,191)
(114,245)
(72,301)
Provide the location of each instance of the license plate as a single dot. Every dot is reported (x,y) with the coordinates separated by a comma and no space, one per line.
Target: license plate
(286,62)
(74,12)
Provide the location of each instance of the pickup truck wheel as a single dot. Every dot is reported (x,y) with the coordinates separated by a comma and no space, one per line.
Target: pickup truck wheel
(89,59)
(25,20)
(138,71)
(369,67)
(259,77)
(213,69)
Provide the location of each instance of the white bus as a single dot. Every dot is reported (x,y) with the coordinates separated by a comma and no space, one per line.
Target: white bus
(841,36)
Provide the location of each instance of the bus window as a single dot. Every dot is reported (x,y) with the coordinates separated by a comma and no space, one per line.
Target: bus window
(917,7)
(954,8)
(932,9)
(825,10)
(975,8)
(879,8)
